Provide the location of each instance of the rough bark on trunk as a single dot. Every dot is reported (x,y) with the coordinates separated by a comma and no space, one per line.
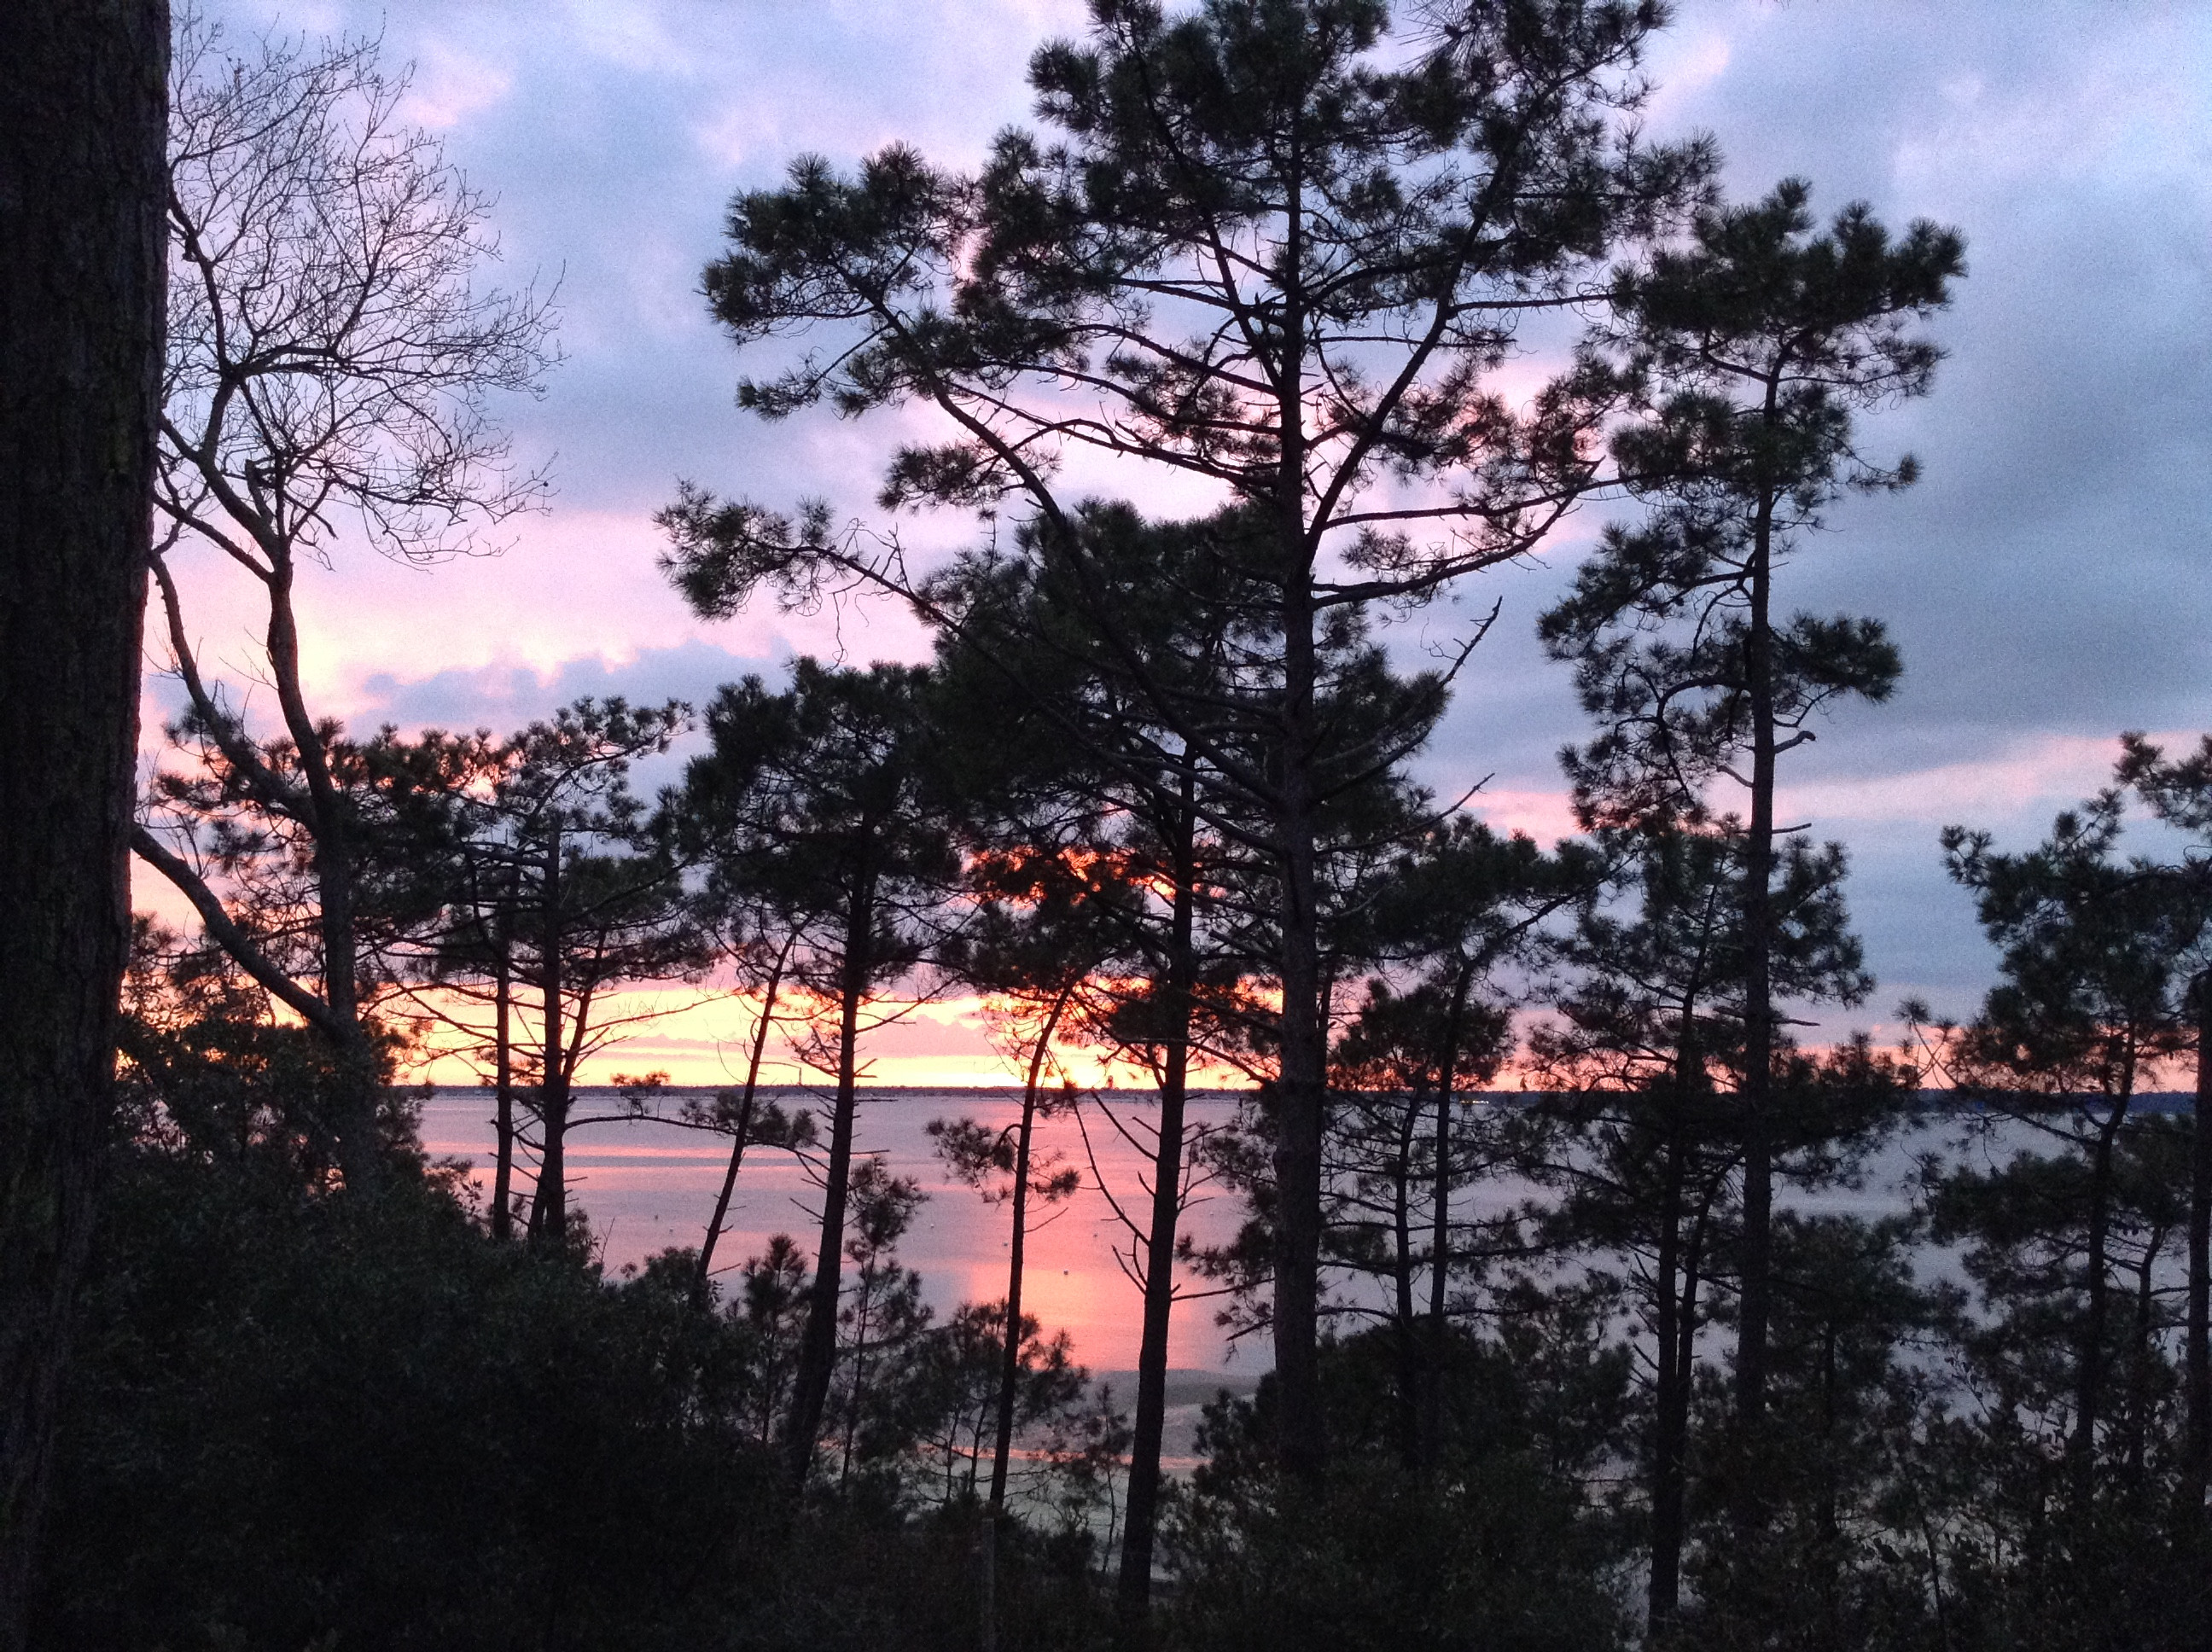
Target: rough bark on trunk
(1134,1586)
(81,180)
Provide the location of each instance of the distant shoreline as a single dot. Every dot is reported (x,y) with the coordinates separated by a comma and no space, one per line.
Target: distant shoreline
(2155,1101)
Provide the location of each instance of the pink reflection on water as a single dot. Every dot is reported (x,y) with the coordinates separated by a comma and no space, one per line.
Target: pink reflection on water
(647,1185)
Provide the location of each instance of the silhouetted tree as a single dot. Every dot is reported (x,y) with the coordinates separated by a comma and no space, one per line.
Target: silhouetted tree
(821,800)
(2179,793)
(1035,942)
(1463,906)
(1276,247)
(762,963)
(80,350)
(880,1317)
(600,905)
(2088,1006)
(330,358)
(1077,788)
(1647,1051)
(1383,1159)
(1748,350)
(550,884)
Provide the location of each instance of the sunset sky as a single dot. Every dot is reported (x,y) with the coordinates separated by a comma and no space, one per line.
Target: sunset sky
(2046,581)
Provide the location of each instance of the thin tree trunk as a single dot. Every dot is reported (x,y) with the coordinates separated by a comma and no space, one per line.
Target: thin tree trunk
(2089,1368)
(352,1115)
(1405,1329)
(700,1280)
(2197,1357)
(1677,1333)
(1301,1443)
(1830,1547)
(81,187)
(1009,1352)
(864,1297)
(2141,1356)
(1134,1586)
(1755,1307)
(361,1151)
(1430,1447)
(1301,1110)
(502,1175)
(1687,1325)
(817,1348)
(1670,1418)
(549,1209)
(1010,1340)
(1672,1519)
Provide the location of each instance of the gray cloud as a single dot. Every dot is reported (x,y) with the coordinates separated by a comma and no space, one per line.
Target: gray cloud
(2047,580)
(502,697)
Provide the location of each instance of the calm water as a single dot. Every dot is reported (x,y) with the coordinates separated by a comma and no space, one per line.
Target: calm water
(647,1186)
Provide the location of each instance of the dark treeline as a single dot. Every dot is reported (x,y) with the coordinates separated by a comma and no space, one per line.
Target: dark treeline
(1600,1361)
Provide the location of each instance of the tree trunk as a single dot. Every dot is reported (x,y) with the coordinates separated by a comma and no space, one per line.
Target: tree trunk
(350,1116)
(2142,1356)
(502,1175)
(1829,1549)
(1010,1340)
(1302,1080)
(549,1208)
(705,1274)
(1406,1328)
(358,1090)
(1670,1409)
(817,1348)
(856,1398)
(81,189)
(1669,1517)
(1010,1348)
(1756,1258)
(2089,1367)
(2196,1358)
(1677,1332)
(1134,1586)
(1430,1446)
(1301,1100)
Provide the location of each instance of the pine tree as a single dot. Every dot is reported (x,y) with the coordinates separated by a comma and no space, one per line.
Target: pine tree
(1748,351)
(2089,1005)
(822,802)
(1274,245)
(2179,793)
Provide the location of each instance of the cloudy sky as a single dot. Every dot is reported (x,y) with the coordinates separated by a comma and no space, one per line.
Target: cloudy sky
(2046,581)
